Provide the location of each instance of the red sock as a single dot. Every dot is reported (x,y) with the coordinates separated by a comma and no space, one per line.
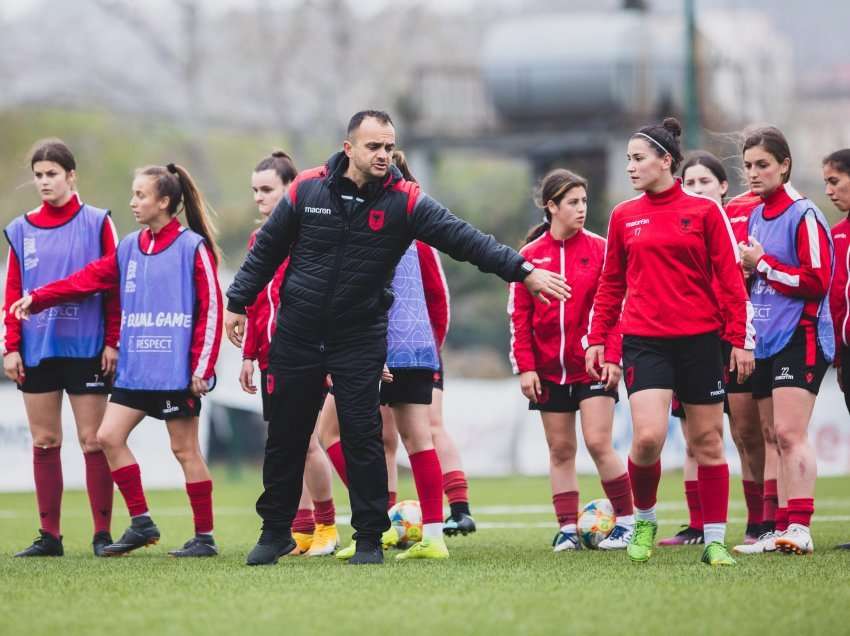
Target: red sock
(100,488)
(644,483)
(392,498)
(781,519)
(800,511)
(694,509)
(456,487)
(713,484)
(754,496)
(770,501)
(334,452)
(303,521)
(129,482)
(566,507)
(200,498)
(47,470)
(428,477)
(324,512)
(619,493)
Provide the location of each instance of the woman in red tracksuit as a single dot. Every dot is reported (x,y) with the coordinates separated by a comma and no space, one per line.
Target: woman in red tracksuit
(547,353)
(314,527)
(665,247)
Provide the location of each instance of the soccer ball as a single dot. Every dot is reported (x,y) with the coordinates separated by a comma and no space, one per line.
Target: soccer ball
(595,522)
(406,519)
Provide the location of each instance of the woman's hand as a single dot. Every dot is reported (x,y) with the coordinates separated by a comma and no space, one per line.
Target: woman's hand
(109,360)
(199,386)
(21,307)
(751,254)
(594,361)
(13,367)
(246,377)
(611,374)
(529,382)
(234,325)
(386,376)
(743,361)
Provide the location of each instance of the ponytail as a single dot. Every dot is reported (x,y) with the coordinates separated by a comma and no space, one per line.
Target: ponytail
(400,162)
(536,232)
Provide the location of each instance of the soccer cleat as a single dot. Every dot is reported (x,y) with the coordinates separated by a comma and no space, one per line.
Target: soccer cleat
(425,549)
(752,533)
(642,541)
(100,541)
(198,546)
(303,542)
(141,533)
(45,545)
(715,553)
(843,546)
(461,523)
(797,539)
(565,541)
(270,547)
(325,540)
(686,536)
(618,539)
(389,539)
(765,543)
(344,554)
(367,556)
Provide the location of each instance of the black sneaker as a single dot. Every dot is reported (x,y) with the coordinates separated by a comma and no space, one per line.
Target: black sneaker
(270,547)
(843,546)
(198,546)
(367,555)
(458,524)
(686,536)
(141,533)
(45,545)
(100,541)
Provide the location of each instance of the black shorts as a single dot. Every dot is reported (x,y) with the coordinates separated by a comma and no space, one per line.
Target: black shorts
(843,356)
(677,409)
(75,376)
(439,376)
(163,405)
(266,390)
(565,398)
(800,364)
(692,366)
(409,386)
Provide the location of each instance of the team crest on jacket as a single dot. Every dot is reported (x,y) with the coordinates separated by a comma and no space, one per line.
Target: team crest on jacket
(685,224)
(376,219)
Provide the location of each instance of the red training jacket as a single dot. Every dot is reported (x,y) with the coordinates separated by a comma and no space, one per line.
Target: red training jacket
(839,291)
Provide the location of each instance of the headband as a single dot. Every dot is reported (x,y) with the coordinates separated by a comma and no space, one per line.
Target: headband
(655,141)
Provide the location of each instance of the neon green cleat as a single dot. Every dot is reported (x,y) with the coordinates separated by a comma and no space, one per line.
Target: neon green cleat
(390,538)
(716,553)
(642,542)
(425,549)
(344,554)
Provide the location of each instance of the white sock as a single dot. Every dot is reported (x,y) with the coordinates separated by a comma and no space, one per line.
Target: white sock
(714,532)
(569,528)
(433,530)
(647,514)
(141,517)
(627,521)
(205,534)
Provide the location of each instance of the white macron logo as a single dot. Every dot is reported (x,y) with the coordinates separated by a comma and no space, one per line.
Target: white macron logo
(311,210)
(784,374)
(638,222)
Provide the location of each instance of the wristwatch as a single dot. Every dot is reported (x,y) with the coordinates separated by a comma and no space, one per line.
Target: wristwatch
(527,268)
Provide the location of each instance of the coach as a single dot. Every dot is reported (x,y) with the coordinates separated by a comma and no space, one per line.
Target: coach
(344,227)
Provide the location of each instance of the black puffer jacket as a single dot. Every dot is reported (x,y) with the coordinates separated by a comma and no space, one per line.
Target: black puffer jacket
(342,258)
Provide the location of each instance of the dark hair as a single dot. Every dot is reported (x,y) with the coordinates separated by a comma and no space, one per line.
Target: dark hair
(282,164)
(357,119)
(773,141)
(175,182)
(400,162)
(54,150)
(840,160)
(553,187)
(705,158)
(664,139)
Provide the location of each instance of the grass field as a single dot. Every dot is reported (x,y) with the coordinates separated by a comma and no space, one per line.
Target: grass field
(502,580)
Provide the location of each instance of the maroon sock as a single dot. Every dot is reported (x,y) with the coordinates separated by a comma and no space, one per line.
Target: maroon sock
(456,487)
(770,501)
(754,496)
(129,482)
(619,493)
(100,488)
(713,484)
(324,512)
(334,452)
(800,511)
(644,483)
(694,509)
(303,521)
(428,477)
(392,498)
(781,519)
(200,498)
(566,507)
(47,469)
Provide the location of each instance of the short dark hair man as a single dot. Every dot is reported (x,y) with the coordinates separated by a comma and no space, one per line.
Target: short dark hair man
(344,227)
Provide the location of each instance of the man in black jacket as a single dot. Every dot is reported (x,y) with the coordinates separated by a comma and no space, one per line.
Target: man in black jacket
(344,227)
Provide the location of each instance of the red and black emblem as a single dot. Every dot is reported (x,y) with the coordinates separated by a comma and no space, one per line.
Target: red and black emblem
(376,219)
(685,223)
(810,377)
(190,402)
(269,384)
(544,395)
(630,377)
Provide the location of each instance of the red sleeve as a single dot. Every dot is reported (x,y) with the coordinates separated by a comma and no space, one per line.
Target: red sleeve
(98,276)
(112,298)
(608,301)
(521,313)
(13,293)
(811,279)
(436,291)
(206,334)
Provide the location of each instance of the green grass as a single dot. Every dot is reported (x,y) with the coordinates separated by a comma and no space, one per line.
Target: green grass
(499,581)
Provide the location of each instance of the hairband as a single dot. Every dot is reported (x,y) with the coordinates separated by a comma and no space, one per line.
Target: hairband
(655,141)
(172,168)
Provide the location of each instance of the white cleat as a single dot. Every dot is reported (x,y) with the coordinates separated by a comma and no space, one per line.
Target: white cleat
(765,543)
(618,539)
(565,541)
(797,539)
